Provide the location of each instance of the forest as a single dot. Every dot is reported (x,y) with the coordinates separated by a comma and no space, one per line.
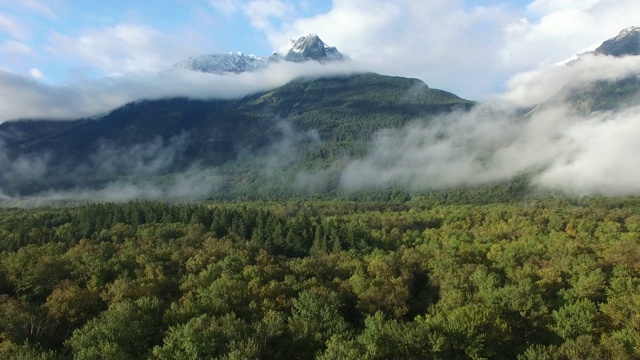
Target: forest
(411,278)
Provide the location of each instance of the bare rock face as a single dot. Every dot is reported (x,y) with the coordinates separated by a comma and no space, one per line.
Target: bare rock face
(306,48)
(301,49)
(222,63)
(626,43)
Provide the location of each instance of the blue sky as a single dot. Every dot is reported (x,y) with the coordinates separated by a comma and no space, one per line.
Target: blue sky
(470,47)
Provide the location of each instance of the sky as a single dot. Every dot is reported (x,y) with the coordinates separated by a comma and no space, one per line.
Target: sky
(473,48)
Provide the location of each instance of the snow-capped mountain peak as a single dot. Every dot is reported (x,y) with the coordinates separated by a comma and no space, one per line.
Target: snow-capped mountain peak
(576,57)
(308,47)
(627,42)
(304,48)
(235,62)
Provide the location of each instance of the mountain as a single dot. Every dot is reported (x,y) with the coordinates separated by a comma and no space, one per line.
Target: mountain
(307,125)
(627,42)
(222,63)
(306,48)
(611,94)
(300,49)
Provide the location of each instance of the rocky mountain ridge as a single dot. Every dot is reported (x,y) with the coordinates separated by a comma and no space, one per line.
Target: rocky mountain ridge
(300,49)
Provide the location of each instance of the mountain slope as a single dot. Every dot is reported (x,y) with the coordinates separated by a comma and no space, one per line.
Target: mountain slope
(627,42)
(312,123)
(609,94)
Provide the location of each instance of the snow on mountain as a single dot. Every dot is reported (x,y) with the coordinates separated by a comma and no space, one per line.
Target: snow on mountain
(222,63)
(627,42)
(307,47)
(577,56)
(304,48)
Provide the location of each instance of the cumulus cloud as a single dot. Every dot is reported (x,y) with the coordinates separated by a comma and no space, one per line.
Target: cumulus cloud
(121,49)
(544,7)
(438,41)
(36,73)
(261,12)
(470,50)
(558,29)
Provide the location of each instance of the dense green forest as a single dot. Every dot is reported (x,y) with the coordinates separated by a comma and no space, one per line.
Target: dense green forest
(405,279)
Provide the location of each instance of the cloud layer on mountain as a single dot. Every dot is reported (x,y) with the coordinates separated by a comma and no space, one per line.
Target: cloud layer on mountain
(561,148)
(28,98)
(156,170)
(537,86)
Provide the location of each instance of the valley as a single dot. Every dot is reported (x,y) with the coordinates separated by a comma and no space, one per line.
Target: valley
(341,215)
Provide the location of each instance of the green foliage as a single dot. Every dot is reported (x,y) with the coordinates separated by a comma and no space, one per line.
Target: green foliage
(202,337)
(314,320)
(575,319)
(541,279)
(127,330)
(35,270)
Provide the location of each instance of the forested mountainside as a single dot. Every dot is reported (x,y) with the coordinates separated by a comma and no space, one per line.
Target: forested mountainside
(313,121)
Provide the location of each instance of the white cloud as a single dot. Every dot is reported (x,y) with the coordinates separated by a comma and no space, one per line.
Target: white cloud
(470,51)
(262,13)
(226,7)
(605,149)
(580,154)
(535,87)
(40,7)
(192,184)
(12,27)
(13,47)
(437,41)
(549,6)
(561,29)
(36,74)
(118,50)
(27,98)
